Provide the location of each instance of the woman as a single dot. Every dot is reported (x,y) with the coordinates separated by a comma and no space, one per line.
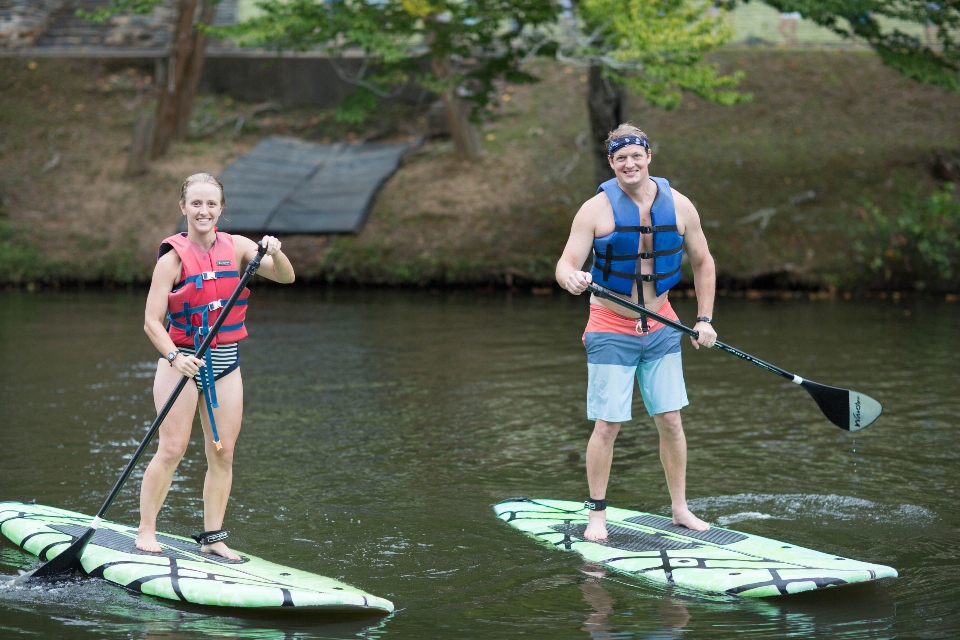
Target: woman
(195,274)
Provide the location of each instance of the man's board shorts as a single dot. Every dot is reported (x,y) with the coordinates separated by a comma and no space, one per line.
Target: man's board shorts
(616,353)
(226,358)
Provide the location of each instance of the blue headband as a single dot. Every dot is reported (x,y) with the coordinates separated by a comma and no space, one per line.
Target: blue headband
(626,141)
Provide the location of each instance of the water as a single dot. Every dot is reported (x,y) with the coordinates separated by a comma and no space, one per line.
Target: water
(380,427)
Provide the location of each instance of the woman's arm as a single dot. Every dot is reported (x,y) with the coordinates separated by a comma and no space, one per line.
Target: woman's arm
(274,266)
(165,275)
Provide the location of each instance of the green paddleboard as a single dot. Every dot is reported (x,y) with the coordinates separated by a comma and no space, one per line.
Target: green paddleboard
(651,547)
(181,572)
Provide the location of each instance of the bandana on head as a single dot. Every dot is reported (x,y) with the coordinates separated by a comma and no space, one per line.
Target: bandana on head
(626,141)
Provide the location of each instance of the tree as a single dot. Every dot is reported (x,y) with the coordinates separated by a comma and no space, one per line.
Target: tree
(651,48)
(187,53)
(935,63)
(456,49)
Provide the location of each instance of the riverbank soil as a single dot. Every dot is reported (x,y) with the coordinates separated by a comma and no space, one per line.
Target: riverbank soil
(779,181)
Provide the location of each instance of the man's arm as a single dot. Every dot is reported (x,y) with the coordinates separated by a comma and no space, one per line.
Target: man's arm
(704,270)
(570,272)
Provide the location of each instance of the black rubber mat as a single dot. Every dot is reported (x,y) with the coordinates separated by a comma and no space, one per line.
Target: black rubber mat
(713,534)
(117,541)
(286,185)
(627,539)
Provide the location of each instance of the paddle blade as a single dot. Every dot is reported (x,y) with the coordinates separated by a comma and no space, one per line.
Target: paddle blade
(850,410)
(66,563)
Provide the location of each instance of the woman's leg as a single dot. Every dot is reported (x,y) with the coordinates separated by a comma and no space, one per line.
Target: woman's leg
(216,486)
(174,437)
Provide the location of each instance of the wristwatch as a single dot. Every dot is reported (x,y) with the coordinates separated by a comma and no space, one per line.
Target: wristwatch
(172,356)
(706,319)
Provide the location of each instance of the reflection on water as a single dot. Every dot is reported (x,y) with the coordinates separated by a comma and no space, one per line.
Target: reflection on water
(381,426)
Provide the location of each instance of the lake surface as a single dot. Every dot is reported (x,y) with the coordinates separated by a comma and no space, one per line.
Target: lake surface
(381,426)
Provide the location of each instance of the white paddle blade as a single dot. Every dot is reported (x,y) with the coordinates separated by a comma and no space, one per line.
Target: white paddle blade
(864,410)
(850,410)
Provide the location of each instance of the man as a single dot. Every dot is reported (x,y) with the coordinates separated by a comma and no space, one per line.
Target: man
(637,229)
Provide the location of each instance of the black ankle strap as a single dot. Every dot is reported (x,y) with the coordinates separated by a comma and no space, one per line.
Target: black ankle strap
(209,537)
(595,505)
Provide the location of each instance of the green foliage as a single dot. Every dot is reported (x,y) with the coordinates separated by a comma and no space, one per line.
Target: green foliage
(901,51)
(919,246)
(116,7)
(437,43)
(19,260)
(656,47)
(354,108)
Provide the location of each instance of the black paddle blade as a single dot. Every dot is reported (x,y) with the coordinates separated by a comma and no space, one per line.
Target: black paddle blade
(850,410)
(66,563)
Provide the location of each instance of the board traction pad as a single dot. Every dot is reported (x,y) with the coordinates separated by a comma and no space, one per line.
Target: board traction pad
(172,547)
(652,548)
(181,572)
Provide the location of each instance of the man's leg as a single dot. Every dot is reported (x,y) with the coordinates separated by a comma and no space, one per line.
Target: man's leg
(599,460)
(673,456)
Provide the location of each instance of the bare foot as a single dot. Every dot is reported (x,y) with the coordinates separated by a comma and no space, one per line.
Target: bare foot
(597,527)
(219,549)
(148,542)
(690,521)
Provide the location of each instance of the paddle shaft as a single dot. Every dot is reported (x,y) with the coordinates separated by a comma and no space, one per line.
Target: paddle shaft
(172,398)
(606,294)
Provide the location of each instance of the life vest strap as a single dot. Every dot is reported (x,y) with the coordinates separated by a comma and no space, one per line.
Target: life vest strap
(209,384)
(212,306)
(201,331)
(208,275)
(648,230)
(646,255)
(644,277)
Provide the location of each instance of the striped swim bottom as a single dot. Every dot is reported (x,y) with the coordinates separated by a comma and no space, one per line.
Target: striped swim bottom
(225,357)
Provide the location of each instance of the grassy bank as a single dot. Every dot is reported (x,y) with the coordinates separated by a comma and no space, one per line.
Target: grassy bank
(780,182)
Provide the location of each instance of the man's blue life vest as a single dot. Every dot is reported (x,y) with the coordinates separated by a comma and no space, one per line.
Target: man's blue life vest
(616,263)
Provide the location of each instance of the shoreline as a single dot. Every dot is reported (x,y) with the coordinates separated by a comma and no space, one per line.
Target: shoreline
(781,183)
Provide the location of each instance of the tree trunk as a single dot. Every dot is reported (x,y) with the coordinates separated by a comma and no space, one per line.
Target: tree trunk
(187,54)
(140,146)
(607,106)
(194,68)
(465,139)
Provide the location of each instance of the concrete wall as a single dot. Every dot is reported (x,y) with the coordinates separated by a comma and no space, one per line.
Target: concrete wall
(292,81)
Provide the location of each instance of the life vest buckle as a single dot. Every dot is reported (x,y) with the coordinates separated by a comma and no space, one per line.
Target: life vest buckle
(208,275)
(216,304)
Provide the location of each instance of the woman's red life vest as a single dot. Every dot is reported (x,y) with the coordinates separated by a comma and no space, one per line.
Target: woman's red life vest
(207,280)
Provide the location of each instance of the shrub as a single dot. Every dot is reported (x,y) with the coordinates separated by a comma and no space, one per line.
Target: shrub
(918,247)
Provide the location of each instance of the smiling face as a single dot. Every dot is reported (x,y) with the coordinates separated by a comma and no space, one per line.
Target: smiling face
(202,204)
(630,164)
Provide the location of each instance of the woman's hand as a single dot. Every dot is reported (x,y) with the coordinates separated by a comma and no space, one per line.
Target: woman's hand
(187,365)
(272,245)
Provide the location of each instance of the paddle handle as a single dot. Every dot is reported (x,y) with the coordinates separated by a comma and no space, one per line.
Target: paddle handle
(250,271)
(606,294)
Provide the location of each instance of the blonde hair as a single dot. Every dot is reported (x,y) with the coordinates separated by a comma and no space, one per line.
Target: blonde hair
(625,129)
(201,177)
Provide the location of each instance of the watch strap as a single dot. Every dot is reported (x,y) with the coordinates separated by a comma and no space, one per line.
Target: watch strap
(706,319)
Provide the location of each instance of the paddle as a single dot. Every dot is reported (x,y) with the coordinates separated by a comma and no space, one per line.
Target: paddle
(850,410)
(68,561)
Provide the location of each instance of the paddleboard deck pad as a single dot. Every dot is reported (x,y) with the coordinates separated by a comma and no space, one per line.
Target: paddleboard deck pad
(181,572)
(651,547)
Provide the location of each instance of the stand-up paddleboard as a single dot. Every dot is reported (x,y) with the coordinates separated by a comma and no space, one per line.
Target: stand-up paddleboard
(651,547)
(181,572)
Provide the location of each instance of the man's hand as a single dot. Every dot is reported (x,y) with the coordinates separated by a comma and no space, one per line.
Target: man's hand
(576,283)
(708,336)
